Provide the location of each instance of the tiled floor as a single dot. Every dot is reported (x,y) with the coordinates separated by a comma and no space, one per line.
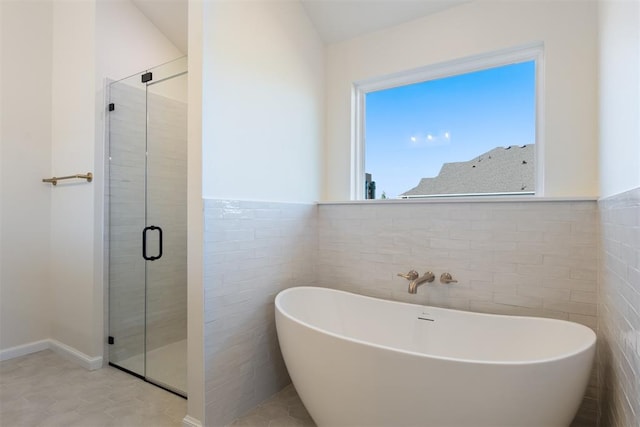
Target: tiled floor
(43,389)
(284,409)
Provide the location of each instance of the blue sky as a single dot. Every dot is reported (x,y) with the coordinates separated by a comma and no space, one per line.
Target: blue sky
(412,130)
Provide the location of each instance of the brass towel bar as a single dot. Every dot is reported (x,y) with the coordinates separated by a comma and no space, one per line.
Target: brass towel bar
(54,180)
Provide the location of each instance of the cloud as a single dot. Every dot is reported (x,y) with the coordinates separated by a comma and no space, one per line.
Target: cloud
(430,139)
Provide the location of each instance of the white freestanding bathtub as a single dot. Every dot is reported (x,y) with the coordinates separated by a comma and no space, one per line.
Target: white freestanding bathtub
(361,361)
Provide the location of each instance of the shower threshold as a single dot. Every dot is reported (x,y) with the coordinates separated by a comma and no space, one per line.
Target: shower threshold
(169,367)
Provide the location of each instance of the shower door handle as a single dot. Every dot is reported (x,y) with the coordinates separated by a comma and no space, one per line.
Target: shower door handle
(144,243)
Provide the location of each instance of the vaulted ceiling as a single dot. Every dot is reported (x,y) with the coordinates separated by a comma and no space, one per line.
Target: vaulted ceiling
(338,20)
(335,20)
(170,16)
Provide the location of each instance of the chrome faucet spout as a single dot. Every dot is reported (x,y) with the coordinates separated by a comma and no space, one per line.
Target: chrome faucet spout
(426,277)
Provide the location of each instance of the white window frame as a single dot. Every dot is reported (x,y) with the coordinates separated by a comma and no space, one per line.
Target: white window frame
(529,52)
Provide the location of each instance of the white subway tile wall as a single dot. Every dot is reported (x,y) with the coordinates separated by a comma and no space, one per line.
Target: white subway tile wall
(167,208)
(619,317)
(530,258)
(252,251)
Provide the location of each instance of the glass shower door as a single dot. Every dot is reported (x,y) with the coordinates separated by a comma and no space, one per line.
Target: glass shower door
(127,218)
(166,337)
(148,225)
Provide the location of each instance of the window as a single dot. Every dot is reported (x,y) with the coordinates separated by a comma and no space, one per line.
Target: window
(469,127)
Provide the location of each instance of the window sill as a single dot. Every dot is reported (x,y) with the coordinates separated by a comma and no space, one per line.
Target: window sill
(463,199)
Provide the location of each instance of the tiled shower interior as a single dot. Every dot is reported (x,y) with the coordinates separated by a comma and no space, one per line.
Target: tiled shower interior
(149,323)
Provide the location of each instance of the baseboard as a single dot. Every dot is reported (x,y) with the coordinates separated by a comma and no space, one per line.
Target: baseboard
(69,353)
(189,421)
(23,350)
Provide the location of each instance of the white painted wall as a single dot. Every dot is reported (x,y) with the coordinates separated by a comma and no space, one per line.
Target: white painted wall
(262,102)
(25,158)
(619,24)
(569,33)
(73,314)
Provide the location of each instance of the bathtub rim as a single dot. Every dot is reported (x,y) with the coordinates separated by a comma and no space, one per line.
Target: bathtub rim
(580,350)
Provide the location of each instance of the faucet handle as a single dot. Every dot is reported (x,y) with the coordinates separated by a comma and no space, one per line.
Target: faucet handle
(446,278)
(411,275)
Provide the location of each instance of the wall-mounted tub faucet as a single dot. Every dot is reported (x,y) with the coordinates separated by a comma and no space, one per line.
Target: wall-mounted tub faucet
(416,280)
(426,277)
